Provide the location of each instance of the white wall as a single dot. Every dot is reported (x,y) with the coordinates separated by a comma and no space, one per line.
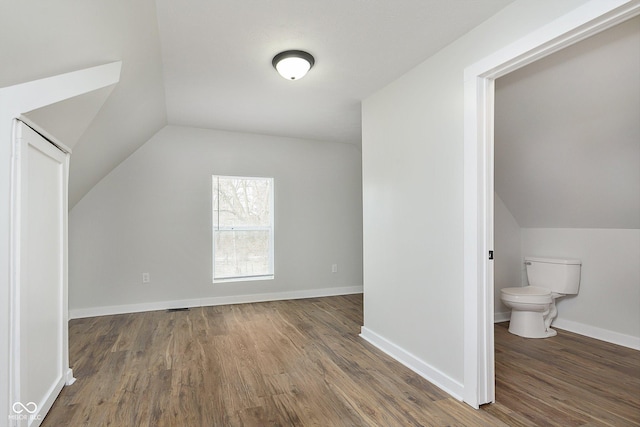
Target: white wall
(608,303)
(508,266)
(413,196)
(41,39)
(153,214)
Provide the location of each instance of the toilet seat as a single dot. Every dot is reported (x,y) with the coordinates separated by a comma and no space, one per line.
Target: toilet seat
(527,295)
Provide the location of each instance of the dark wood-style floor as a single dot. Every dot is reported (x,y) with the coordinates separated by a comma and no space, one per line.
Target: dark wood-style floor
(567,380)
(301,363)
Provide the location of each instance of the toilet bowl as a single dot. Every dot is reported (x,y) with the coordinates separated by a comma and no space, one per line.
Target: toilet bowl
(533,307)
(529,305)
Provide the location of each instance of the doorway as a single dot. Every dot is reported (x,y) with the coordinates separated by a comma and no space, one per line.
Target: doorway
(592,18)
(567,173)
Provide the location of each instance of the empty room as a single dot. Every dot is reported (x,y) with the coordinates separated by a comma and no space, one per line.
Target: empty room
(336,213)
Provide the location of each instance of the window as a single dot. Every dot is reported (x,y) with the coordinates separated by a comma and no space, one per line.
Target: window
(242,228)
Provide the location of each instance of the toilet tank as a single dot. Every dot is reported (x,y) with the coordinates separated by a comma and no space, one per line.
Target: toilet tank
(558,275)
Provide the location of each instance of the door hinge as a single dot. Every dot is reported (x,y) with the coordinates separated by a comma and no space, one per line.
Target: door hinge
(490,254)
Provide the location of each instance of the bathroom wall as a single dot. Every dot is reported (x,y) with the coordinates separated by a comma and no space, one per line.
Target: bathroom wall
(607,306)
(508,266)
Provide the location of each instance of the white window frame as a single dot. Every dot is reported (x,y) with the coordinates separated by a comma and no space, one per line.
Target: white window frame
(270,227)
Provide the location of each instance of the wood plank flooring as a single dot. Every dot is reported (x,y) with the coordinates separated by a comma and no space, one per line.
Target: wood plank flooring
(301,363)
(567,380)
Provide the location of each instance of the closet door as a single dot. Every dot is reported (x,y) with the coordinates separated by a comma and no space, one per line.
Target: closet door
(40,319)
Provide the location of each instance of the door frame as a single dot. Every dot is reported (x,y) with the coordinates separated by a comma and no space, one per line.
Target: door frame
(479,84)
(31,412)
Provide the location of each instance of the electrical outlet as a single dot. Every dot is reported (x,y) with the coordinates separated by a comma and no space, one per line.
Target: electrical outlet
(146,278)
(334,268)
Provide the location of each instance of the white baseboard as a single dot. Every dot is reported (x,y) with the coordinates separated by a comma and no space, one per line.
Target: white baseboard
(586,330)
(79,313)
(45,405)
(501,317)
(69,378)
(598,333)
(433,375)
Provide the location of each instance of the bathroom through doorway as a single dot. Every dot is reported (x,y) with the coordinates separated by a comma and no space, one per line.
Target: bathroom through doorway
(592,18)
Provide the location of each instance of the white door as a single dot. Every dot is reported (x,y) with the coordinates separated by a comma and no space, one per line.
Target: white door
(39,353)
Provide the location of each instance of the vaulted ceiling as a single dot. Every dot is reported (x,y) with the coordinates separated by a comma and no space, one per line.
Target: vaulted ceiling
(567,135)
(217,59)
(208,64)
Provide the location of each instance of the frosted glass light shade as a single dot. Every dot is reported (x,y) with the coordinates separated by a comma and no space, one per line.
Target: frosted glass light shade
(293,64)
(293,68)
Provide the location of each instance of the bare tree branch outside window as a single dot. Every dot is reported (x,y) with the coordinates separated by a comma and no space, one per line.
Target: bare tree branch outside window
(242,227)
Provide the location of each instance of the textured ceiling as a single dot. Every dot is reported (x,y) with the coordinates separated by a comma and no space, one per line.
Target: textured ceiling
(567,135)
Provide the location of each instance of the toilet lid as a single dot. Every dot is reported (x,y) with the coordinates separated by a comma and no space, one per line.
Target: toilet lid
(526,295)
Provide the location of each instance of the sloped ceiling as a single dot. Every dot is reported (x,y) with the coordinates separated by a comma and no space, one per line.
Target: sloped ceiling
(567,135)
(42,39)
(217,58)
(84,108)
(213,60)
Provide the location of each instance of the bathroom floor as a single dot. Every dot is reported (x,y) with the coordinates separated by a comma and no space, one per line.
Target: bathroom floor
(566,380)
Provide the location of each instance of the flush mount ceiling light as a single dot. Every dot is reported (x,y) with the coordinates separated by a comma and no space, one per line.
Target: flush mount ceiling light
(293,64)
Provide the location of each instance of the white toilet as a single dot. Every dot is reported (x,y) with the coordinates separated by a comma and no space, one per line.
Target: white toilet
(533,307)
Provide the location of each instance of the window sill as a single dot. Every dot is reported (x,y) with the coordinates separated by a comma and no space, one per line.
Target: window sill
(244,279)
